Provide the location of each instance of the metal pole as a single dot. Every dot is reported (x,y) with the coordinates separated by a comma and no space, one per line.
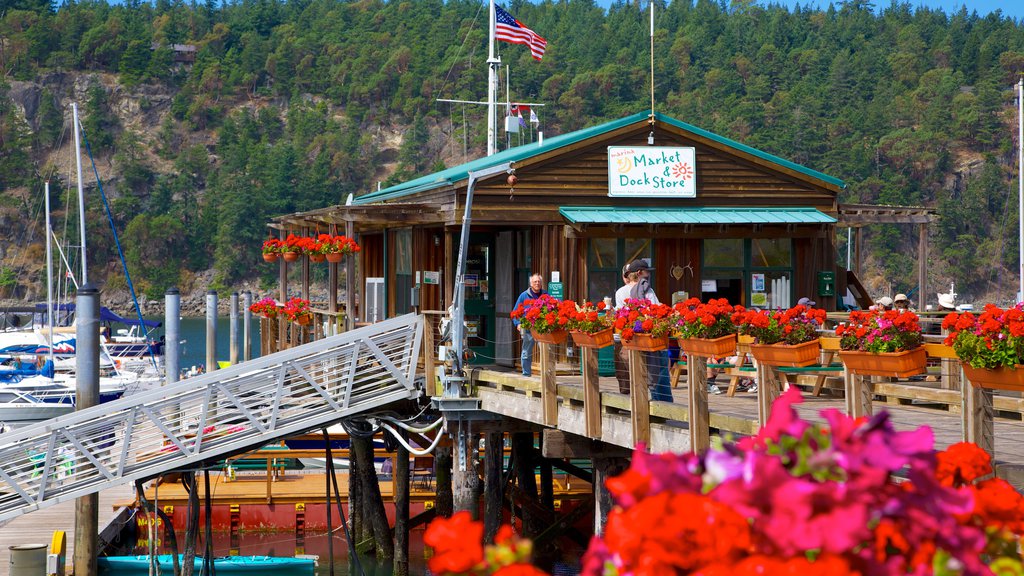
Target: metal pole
(211,331)
(49,271)
(234,328)
(492,84)
(1020,184)
(172,335)
(81,194)
(87,394)
(247,326)
(453,387)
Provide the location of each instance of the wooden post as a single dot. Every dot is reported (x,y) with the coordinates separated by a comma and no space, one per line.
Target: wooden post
(445,502)
(429,375)
(549,390)
(859,392)
(465,481)
(604,468)
(922,264)
(378,520)
(282,295)
(768,389)
(355,498)
(494,455)
(547,485)
(639,398)
(522,453)
(591,393)
(978,415)
(401,482)
(697,400)
(351,285)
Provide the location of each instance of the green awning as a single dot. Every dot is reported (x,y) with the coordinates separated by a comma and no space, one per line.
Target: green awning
(773,215)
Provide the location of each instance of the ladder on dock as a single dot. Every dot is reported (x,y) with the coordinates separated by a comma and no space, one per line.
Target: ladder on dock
(211,416)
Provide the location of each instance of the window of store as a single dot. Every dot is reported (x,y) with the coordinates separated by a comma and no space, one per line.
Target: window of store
(756,272)
(524,262)
(605,259)
(403,271)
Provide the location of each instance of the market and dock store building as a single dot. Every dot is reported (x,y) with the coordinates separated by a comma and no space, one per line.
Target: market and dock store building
(715,217)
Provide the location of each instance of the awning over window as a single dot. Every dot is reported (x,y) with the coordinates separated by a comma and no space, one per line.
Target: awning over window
(607,215)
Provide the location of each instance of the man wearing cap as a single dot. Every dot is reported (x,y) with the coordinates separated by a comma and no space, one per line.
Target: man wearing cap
(805,301)
(638,287)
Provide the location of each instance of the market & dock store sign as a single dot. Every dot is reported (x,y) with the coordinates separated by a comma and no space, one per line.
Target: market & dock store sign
(652,171)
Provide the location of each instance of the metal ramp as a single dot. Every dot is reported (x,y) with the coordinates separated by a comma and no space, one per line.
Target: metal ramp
(210,416)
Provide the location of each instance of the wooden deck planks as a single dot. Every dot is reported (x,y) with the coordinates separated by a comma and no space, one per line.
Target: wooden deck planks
(38,527)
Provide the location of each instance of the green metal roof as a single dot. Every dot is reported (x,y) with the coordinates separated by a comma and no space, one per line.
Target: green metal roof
(461,172)
(774,215)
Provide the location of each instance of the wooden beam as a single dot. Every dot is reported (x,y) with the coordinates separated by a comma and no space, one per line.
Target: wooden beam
(562,444)
(639,398)
(697,402)
(978,415)
(591,392)
(859,393)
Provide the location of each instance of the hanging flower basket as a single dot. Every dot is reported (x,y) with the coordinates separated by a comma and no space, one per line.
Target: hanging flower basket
(898,364)
(599,339)
(710,347)
(556,337)
(334,257)
(290,256)
(304,319)
(996,379)
(792,355)
(270,256)
(646,343)
(316,258)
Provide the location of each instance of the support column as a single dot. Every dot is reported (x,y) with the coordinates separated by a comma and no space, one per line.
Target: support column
(351,281)
(859,391)
(465,480)
(522,454)
(768,389)
(233,330)
(494,457)
(172,335)
(639,398)
(549,390)
(445,502)
(247,326)
(922,265)
(978,415)
(604,468)
(378,521)
(591,393)
(401,508)
(211,331)
(697,402)
(87,394)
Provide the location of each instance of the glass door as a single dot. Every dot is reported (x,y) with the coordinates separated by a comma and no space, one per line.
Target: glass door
(480,298)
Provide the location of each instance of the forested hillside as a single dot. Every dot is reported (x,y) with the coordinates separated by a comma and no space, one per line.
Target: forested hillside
(287,106)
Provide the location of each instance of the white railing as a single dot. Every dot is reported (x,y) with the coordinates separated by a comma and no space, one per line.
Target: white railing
(208,417)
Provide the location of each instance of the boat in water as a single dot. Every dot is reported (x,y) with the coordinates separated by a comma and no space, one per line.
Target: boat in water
(251,565)
(20,409)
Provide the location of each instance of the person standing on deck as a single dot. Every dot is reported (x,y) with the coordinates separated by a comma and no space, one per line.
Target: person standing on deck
(535,291)
(638,287)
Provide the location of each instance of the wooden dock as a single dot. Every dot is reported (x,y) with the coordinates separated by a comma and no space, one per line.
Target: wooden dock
(39,526)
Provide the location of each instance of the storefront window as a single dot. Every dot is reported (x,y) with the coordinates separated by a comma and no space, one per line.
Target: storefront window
(723,253)
(771,252)
(754,272)
(605,259)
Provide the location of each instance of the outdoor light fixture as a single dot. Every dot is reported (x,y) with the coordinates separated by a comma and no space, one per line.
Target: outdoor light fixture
(650,138)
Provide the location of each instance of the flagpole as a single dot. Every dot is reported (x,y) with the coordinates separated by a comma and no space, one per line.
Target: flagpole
(492,85)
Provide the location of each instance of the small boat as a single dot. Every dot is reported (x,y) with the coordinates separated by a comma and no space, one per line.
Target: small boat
(20,408)
(279,565)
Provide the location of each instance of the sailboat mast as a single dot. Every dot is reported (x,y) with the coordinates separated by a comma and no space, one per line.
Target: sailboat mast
(81,194)
(492,84)
(49,271)
(1020,185)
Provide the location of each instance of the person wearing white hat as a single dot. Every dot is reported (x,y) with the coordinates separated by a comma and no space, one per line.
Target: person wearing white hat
(884,303)
(901,303)
(946,302)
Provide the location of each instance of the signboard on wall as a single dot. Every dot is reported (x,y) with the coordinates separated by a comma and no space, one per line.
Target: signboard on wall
(652,171)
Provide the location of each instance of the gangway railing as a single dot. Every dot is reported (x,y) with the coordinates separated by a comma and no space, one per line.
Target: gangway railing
(210,416)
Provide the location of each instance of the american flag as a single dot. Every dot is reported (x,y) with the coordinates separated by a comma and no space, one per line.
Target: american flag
(513,31)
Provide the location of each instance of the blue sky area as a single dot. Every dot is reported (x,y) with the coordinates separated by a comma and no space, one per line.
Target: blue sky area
(1011,8)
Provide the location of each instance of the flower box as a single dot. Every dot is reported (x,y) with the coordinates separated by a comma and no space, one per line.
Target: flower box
(270,256)
(290,256)
(316,258)
(334,257)
(645,343)
(556,337)
(304,319)
(897,364)
(792,355)
(710,347)
(599,339)
(997,379)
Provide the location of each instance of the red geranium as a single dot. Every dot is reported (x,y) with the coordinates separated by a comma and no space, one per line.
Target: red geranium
(588,318)
(272,246)
(994,339)
(797,325)
(880,331)
(545,314)
(710,320)
(644,317)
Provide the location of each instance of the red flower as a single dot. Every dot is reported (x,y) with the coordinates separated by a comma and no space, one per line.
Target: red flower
(520,570)
(962,463)
(456,542)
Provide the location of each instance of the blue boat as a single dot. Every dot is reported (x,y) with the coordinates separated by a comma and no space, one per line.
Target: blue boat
(279,565)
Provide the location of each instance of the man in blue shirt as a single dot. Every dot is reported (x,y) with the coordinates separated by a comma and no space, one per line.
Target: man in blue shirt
(532,293)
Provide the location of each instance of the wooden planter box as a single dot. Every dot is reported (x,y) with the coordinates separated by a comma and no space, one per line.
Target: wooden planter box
(600,339)
(710,347)
(645,343)
(897,364)
(998,379)
(556,337)
(795,356)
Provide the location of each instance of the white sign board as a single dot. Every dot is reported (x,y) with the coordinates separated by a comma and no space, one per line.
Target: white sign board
(431,277)
(709,285)
(652,171)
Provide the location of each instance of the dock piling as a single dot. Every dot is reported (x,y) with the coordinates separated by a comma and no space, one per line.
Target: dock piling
(211,330)
(401,491)
(247,326)
(87,394)
(172,335)
(234,355)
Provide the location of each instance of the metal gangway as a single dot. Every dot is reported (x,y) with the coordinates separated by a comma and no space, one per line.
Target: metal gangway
(208,417)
